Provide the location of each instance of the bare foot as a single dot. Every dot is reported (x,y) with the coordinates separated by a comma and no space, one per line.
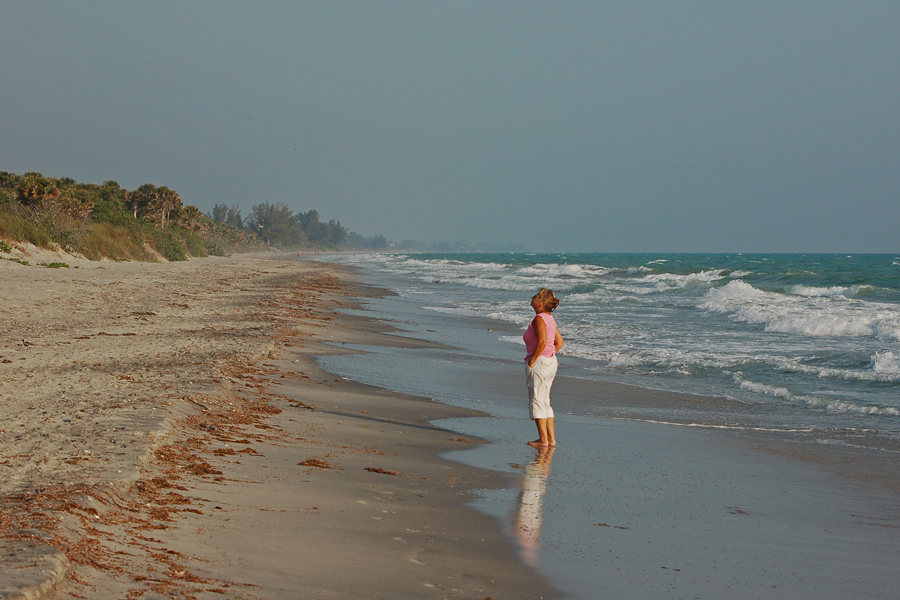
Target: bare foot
(552,444)
(539,444)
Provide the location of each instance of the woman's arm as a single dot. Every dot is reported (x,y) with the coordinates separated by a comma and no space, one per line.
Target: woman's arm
(541,330)
(558,341)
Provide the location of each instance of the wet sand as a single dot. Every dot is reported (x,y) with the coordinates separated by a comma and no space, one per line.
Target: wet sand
(651,494)
(166,432)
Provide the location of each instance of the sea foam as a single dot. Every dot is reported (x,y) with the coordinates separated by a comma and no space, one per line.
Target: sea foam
(670,281)
(810,291)
(813,315)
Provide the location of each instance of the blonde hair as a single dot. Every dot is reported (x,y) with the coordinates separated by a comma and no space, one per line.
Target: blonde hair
(546,297)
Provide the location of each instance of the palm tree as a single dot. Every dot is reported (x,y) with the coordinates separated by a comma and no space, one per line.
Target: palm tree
(154,201)
(140,199)
(164,202)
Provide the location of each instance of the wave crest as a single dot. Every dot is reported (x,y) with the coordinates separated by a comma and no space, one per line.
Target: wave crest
(813,315)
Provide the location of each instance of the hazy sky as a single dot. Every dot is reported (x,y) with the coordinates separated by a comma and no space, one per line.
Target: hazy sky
(608,126)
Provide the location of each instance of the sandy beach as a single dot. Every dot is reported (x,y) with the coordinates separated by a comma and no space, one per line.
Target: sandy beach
(166,432)
(263,427)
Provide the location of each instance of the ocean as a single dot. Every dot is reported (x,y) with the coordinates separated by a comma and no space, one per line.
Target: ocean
(677,369)
(803,342)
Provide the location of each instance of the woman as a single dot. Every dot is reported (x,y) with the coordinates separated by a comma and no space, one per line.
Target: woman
(542,342)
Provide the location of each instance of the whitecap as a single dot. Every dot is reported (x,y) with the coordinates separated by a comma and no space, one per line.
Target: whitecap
(886,363)
(554,271)
(810,291)
(670,281)
(814,315)
(765,389)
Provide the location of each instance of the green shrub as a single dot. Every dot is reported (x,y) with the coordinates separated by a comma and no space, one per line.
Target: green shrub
(194,243)
(4,247)
(110,205)
(54,265)
(168,244)
(7,194)
(19,260)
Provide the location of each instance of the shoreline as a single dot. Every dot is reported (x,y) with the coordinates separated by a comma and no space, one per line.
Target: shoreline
(184,445)
(644,509)
(870,457)
(258,473)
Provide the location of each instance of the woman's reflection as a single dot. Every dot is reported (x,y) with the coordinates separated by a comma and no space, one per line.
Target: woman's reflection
(527,523)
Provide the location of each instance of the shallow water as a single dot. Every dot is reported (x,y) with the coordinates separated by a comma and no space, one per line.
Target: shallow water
(809,341)
(634,510)
(628,508)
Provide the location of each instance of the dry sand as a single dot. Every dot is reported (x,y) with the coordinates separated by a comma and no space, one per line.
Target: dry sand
(165,432)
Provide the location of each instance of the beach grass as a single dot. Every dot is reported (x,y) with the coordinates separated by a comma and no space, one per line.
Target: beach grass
(17,227)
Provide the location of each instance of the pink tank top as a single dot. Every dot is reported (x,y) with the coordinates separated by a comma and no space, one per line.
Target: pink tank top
(531,338)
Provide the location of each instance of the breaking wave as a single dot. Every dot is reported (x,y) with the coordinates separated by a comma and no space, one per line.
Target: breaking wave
(814,315)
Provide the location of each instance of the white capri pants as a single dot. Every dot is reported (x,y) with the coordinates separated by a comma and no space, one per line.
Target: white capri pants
(538,380)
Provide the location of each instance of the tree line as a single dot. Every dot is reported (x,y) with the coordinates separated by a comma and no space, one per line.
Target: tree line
(108,221)
(277,225)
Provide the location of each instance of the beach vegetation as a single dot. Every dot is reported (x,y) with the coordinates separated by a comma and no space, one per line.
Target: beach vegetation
(149,223)
(278,226)
(19,260)
(156,204)
(331,234)
(222,213)
(54,265)
(168,245)
(152,223)
(16,226)
(115,242)
(371,242)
